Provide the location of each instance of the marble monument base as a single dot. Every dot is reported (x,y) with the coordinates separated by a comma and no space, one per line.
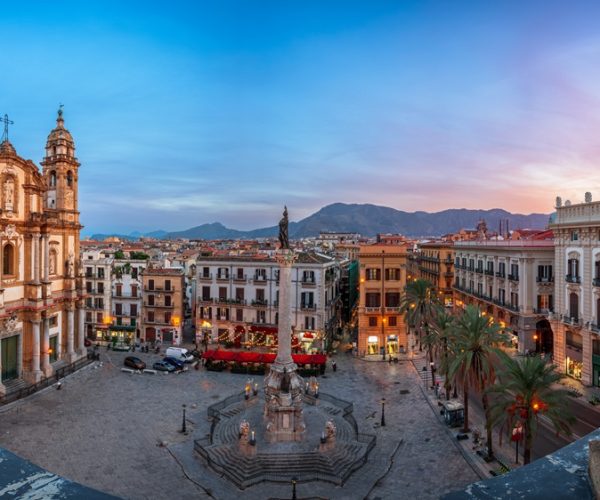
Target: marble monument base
(283,404)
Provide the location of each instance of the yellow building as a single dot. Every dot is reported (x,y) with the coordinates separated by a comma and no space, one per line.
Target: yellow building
(41,298)
(434,262)
(381,327)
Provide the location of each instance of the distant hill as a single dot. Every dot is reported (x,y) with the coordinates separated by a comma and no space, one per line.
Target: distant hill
(366,219)
(134,235)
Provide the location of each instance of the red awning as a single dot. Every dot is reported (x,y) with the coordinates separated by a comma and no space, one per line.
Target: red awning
(259,357)
(308,335)
(270,330)
(240,329)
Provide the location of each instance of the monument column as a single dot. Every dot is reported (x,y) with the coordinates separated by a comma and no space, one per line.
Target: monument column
(285,259)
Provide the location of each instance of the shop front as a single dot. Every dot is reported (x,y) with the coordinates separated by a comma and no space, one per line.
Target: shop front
(596,362)
(392,344)
(372,344)
(573,355)
(9,348)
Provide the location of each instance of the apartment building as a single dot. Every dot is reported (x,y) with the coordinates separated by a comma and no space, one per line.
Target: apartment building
(237,300)
(97,268)
(162,306)
(434,262)
(127,291)
(513,282)
(382,278)
(576,322)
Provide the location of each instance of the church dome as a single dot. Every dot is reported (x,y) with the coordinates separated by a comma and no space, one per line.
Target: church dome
(6,148)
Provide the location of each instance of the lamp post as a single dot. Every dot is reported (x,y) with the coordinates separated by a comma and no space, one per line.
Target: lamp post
(382,412)
(517,435)
(183,427)
(294,481)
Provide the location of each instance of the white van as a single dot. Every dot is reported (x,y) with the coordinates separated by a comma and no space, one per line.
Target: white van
(180,353)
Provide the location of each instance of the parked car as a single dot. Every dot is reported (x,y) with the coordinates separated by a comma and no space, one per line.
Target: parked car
(175,362)
(180,353)
(163,366)
(133,362)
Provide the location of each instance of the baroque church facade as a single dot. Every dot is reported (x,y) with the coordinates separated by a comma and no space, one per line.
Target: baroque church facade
(41,295)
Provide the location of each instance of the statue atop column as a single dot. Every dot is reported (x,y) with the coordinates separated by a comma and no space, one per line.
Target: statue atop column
(283,230)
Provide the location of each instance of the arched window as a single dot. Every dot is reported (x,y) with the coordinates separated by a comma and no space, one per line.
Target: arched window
(70,178)
(53,178)
(8,260)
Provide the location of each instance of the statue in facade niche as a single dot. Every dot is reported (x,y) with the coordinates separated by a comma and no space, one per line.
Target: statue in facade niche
(558,202)
(8,191)
(283,230)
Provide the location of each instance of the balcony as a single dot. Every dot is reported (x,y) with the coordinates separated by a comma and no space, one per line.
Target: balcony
(479,270)
(570,278)
(596,282)
(240,278)
(205,277)
(544,279)
(259,279)
(392,309)
(206,300)
(513,277)
(542,310)
(170,306)
(500,274)
(260,303)
(489,272)
(222,277)
(308,307)
(373,309)
(513,307)
(471,269)
(568,320)
(308,282)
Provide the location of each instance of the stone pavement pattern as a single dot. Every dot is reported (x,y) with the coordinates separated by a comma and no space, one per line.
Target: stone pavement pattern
(104,427)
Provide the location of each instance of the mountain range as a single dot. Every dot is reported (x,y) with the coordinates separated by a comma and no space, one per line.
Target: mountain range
(365,219)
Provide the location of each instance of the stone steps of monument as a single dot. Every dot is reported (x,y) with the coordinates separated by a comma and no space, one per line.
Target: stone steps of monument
(231,411)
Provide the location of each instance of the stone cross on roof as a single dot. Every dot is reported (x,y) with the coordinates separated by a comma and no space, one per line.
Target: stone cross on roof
(6,122)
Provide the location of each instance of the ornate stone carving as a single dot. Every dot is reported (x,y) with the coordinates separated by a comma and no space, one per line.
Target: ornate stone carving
(558,202)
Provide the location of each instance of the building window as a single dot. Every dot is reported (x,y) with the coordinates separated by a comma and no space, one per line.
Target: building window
(150,300)
(150,284)
(309,323)
(167,300)
(392,274)
(53,179)
(308,276)
(133,310)
(239,315)
(8,260)
(134,272)
(393,321)
(134,290)
(70,178)
(150,316)
(205,293)
(167,284)
(372,299)
(223,293)
(373,321)
(574,235)
(168,318)
(392,299)
(118,290)
(100,272)
(88,286)
(100,287)
(373,274)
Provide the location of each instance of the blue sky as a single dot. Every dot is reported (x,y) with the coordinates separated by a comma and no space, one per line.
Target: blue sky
(192,112)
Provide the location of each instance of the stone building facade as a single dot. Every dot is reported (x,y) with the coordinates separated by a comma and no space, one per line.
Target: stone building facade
(434,262)
(381,326)
(513,282)
(162,306)
(576,322)
(41,294)
(238,299)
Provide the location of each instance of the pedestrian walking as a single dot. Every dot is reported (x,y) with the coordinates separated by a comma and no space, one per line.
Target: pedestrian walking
(334,365)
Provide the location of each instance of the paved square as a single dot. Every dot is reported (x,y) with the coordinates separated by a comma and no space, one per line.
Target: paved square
(103,429)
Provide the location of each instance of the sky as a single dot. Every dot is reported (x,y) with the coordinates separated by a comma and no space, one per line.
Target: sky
(185,113)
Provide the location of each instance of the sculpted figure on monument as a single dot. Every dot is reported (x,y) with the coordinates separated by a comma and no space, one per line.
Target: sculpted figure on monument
(285,381)
(283,230)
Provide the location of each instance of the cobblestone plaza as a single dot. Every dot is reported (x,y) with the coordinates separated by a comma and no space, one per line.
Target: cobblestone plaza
(104,429)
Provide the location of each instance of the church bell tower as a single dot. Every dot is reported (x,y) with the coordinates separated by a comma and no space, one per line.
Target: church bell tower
(60,171)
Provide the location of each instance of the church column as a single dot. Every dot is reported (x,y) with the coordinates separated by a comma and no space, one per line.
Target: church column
(46,256)
(70,334)
(35,355)
(46,368)
(35,241)
(2,388)
(81,330)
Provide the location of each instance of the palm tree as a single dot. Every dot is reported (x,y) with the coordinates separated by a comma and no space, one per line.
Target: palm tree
(439,338)
(523,392)
(420,303)
(477,341)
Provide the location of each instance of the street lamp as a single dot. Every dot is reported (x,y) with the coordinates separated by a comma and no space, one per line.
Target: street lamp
(294,481)
(382,412)
(183,428)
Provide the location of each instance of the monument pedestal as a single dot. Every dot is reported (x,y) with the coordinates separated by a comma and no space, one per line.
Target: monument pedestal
(283,404)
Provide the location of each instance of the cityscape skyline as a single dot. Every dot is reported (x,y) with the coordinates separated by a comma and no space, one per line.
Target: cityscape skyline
(226,113)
